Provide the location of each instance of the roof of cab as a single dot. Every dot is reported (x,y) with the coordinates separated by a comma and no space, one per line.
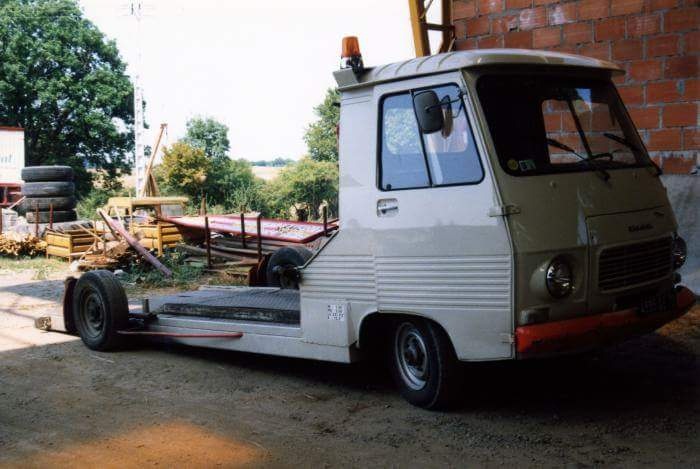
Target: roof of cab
(465,59)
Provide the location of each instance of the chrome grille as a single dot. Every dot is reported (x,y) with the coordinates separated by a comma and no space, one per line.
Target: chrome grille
(634,264)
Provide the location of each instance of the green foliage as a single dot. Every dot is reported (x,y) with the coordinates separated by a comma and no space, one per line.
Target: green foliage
(96,198)
(321,136)
(306,182)
(66,85)
(184,170)
(209,135)
(143,274)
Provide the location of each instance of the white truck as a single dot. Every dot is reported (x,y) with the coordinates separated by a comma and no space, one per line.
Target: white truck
(11,163)
(494,204)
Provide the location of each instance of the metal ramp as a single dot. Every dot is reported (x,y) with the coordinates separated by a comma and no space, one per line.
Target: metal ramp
(262,305)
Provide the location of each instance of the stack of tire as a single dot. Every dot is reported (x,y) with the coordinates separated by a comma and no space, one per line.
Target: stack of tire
(47,187)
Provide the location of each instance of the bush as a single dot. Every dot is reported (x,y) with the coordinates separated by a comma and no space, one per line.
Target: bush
(96,198)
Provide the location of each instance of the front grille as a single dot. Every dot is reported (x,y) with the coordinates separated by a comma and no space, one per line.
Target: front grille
(634,264)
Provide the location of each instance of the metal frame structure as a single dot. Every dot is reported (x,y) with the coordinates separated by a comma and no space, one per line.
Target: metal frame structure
(420,26)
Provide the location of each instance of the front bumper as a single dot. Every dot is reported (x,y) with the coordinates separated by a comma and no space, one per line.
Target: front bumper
(588,332)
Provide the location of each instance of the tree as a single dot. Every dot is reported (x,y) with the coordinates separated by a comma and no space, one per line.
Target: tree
(321,136)
(66,85)
(308,182)
(209,135)
(184,169)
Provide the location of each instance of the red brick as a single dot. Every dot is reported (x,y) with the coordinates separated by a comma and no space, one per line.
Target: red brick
(684,19)
(680,115)
(692,90)
(625,7)
(662,4)
(562,13)
(546,37)
(460,29)
(462,10)
(491,42)
(691,139)
(663,92)
(565,49)
(466,44)
(513,4)
(665,140)
(490,6)
(627,49)
(504,24)
(645,117)
(478,26)
(519,39)
(692,42)
(612,28)
(682,67)
(645,70)
(631,94)
(533,18)
(678,164)
(662,45)
(545,2)
(592,9)
(600,50)
(552,121)
(643,25)
(578,33)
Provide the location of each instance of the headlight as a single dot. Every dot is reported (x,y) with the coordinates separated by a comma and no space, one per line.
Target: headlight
(680,252)
(559,278)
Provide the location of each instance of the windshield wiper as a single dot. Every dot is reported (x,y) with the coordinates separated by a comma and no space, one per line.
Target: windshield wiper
(562,146)
(633,147)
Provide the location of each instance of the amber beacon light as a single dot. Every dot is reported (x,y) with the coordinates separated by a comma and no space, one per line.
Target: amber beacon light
(350,56)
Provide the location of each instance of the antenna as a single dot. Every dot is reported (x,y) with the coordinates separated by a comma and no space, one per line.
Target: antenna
(136,8)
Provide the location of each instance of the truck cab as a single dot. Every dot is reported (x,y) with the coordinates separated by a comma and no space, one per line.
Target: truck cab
(502,198)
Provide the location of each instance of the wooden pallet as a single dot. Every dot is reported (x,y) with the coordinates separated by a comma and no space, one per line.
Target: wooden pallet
(70,243)
(158,235)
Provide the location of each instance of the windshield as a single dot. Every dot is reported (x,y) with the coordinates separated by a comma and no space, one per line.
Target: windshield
(551,124)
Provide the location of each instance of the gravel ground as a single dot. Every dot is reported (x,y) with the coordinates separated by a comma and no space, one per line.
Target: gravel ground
(62,405)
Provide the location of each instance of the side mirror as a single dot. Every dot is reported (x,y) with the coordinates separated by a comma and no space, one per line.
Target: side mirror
(428,111)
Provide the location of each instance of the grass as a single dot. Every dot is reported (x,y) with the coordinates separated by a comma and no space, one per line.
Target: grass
(42,266)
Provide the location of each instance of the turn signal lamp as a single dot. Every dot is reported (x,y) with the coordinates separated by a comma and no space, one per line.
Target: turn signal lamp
(350,56)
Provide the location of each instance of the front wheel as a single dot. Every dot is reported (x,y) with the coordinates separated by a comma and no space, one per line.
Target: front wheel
(424,365)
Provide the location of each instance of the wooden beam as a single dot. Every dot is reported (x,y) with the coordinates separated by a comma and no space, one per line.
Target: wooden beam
(421,42)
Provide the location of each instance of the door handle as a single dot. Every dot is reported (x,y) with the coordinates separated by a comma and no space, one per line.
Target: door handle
(387,207)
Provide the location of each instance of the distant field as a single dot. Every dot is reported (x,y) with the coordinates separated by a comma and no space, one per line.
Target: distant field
(268,173)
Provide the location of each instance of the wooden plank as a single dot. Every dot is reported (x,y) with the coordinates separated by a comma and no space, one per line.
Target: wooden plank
(172,238)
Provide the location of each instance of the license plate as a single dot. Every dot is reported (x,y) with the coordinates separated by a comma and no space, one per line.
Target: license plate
(657,303)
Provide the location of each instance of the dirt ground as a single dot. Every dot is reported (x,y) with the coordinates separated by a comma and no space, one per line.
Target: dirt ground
(62,405)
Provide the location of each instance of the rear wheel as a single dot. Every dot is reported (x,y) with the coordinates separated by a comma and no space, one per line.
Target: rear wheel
(424,365)
(47,173)
(100,310)
(57,216)
(281,267)
(48,189)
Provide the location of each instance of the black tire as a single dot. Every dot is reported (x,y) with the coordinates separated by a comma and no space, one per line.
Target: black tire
(47,173)
(48,189)
(44,203)
(100,310)
(283,259)
(58,216)
(424,365)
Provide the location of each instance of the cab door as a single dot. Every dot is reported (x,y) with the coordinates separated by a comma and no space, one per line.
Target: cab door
(438,253)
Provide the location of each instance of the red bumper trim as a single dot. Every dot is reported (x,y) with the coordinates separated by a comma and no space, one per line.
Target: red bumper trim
(591,331)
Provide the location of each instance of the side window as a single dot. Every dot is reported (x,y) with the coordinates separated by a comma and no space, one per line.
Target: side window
(411,160)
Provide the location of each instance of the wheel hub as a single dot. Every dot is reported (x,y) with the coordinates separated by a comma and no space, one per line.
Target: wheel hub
(93,314)
(412,357)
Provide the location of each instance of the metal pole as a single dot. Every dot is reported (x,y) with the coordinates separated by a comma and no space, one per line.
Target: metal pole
(36,220)
(259,226)
(243,230)
(207,236)
(51,216)
(2,216)
(325,220)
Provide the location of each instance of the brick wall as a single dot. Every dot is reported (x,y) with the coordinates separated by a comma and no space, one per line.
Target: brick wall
(656,41)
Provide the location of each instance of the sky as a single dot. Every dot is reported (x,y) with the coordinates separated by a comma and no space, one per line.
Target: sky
(258,67)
